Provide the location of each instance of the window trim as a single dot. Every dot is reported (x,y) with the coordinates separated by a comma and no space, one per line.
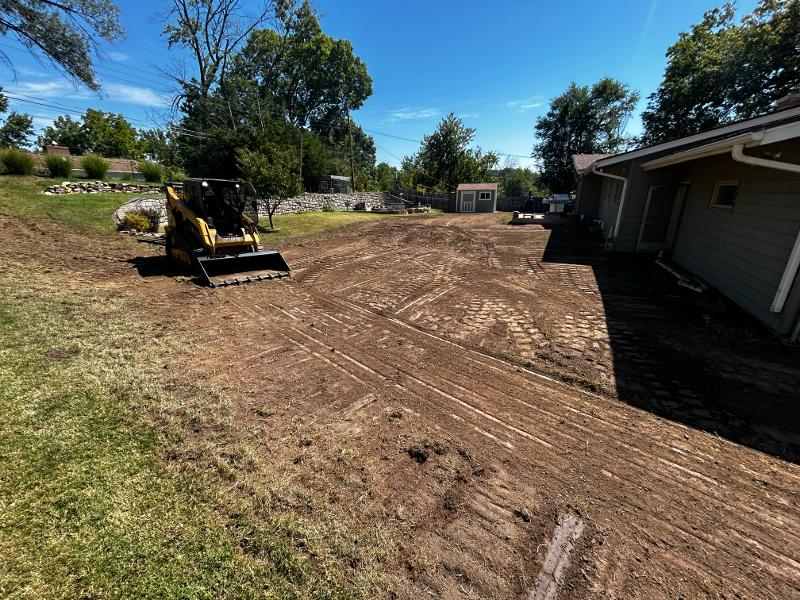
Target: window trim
(729,207)
(488,195)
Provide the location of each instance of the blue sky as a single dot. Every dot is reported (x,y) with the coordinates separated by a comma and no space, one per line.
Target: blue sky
(495,64)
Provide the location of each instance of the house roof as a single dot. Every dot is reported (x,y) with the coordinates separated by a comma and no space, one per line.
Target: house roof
(769,121)
(583,161)
(770,135)
(477,186)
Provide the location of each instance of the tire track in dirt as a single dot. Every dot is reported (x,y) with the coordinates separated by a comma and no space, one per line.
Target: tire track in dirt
(376,365)
(586,399)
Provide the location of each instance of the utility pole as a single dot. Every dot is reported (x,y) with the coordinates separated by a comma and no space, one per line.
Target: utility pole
(301,158)
(350,146)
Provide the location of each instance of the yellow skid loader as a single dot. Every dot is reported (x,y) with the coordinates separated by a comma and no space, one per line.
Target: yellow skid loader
(212,232)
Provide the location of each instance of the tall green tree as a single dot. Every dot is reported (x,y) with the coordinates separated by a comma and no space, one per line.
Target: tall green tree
(445,159)
(298,73)
(63,31)
(103,133)
(16,128)
(213,31)
(274,173)
(65,131)
(385,177)
(286,86)
(582,120)
(516,182)
(110,135)
(160,146)
(722,71)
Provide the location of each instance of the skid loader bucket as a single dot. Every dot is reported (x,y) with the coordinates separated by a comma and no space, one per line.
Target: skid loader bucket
(243,268)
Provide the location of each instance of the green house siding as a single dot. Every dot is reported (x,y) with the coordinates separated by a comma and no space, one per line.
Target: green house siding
(743,252)
(639,183)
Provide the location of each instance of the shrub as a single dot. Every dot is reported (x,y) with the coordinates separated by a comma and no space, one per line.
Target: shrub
(152,171)
(17,162)
(95,166)
(328,208)
(135,222)
(142,219)
(58,166)
(173,174)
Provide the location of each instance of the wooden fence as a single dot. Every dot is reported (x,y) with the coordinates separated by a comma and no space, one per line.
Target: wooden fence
(432,199)
(445,201)
(524,204)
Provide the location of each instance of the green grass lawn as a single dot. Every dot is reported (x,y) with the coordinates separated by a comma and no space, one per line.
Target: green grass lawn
(311,223)
(22,196)
(88,508)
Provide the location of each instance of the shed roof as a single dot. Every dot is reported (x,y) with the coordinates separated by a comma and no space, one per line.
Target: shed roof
(477,186)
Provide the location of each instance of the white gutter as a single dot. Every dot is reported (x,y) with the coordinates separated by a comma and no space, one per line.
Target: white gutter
(622,195)
(766,120)
(737,153)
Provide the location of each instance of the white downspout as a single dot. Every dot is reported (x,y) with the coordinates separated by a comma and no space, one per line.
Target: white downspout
(624,181)
(793,264)
(789,275)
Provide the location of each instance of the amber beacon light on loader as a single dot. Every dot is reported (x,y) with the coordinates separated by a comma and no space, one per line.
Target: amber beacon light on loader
(212,232)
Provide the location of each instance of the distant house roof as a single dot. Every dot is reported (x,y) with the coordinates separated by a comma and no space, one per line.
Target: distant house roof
(477,186)
(772,120)
(584,161)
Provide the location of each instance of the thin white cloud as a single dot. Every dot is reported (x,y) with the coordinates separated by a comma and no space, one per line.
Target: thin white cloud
(118,56)
(132,94)
(28,72)
(405,114)
(469,115)
(47,89)
(525,104)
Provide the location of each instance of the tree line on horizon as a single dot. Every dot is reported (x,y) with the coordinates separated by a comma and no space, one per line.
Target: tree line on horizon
(268,96)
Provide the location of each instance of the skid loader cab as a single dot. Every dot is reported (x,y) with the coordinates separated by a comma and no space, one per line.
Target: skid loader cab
(212,230)
(227,206)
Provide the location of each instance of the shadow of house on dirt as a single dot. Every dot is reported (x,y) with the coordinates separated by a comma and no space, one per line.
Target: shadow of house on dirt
(691,358)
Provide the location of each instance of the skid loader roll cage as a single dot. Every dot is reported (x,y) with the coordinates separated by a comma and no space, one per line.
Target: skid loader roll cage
(226,206)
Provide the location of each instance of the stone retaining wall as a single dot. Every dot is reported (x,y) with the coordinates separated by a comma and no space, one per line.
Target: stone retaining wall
(137,204)
(312,202)
(97,187)
(307,202)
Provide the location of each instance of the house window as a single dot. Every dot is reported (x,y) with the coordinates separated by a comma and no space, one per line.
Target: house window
(485,196)
(724,194)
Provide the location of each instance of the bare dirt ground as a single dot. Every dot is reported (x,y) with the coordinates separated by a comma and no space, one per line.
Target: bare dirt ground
(519,416)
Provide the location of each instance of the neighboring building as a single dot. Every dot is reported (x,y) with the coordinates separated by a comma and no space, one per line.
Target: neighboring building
(52,149)
(475,197)
(724,204)
(331,184)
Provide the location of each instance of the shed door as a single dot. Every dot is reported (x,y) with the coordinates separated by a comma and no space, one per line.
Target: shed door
(659,216)
(467,201)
